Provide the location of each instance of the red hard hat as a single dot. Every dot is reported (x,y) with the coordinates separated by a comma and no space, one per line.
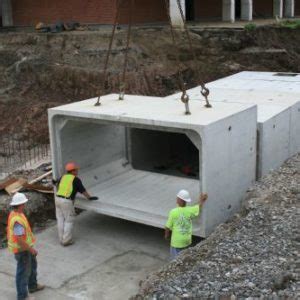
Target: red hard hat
(71,166)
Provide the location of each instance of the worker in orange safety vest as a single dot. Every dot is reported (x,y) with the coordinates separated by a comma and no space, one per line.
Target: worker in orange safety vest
(21,242)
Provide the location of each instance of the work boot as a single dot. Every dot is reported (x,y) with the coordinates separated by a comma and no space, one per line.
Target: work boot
(39,287)
(71,242)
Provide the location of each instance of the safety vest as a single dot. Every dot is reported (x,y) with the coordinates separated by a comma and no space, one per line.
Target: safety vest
(65,187)
(16,217)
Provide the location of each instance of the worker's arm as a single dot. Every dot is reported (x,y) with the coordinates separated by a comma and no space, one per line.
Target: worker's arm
(88,196)
(167,233)
(24,246)
(203,197)
(169,226)
(81,189)
(19,233)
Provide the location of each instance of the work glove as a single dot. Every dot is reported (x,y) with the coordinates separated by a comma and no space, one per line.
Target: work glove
(93,198)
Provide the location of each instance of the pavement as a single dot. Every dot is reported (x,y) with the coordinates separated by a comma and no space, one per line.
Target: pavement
(108,260)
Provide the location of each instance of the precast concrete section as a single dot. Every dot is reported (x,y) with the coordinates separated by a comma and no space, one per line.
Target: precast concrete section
(282,89)
(131,153)
(278,111)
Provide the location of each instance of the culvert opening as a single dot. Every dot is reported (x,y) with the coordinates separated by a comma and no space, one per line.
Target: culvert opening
(164,152)
(133,170)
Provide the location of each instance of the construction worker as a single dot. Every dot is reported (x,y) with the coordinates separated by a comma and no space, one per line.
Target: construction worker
(179,224)
(21,242)
(68,186)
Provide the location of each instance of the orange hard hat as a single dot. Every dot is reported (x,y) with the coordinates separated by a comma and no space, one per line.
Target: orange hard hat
(71,166)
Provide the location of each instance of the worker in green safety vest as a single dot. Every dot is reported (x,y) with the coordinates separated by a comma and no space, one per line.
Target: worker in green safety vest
(68,186)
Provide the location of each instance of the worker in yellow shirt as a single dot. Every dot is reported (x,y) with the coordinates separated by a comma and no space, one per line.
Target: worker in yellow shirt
(21,242)
(179,224)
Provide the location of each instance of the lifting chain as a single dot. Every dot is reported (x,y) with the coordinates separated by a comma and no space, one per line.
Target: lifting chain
(184,97)
(204,89)
(122,85)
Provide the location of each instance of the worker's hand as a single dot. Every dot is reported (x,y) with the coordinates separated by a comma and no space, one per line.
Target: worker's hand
(203,198)
(33,251)
(93,198)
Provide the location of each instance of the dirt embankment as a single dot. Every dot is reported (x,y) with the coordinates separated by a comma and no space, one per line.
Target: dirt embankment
(45,70)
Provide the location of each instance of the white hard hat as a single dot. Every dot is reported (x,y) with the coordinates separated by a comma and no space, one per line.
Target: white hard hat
(184,195)
(18,199)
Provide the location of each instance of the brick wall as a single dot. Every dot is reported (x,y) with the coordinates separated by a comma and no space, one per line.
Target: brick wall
(146,11)
(208,9)
(29,12)
(262,8)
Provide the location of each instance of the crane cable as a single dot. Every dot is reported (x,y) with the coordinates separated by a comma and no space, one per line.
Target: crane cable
(122,86)
(182,86)
(204,90)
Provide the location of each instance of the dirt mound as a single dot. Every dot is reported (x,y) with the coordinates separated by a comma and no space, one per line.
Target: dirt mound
(46,70)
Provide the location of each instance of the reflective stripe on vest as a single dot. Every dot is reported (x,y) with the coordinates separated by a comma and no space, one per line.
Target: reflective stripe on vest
(15,217)
(65,187)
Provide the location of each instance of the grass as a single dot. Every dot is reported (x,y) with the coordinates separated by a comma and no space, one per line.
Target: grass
(250,26)
(295,24)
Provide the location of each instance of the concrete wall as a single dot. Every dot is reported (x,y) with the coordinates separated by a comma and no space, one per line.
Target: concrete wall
(273,139)
(98,149)
(7,15)
(229,155)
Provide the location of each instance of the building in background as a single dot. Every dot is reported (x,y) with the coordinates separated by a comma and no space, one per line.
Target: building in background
(30,12)
(297,8)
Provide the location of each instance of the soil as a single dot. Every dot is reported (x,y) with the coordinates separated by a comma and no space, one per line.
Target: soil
(45,70)
(40,208)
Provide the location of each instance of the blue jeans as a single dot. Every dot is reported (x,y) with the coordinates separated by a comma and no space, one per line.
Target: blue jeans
(26,273)
(175,251)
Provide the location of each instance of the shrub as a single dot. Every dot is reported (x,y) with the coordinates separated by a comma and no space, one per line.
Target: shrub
(250,27)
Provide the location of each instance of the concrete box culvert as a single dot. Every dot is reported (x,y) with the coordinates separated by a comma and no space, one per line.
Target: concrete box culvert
(137,153)
(277,97)
(267,89)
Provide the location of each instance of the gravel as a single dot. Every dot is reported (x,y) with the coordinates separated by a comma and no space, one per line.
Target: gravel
(254,255)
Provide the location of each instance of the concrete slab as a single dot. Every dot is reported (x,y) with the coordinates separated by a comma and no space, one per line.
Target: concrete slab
(265,76)
(113,143)
(108,253)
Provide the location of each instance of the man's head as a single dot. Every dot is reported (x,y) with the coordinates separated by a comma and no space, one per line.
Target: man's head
(18,201)
(183,197)
(72,168)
